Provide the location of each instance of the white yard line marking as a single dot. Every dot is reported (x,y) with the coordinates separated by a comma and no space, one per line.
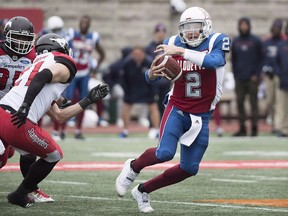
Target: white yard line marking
(188,203)
(121,154)
(257,153)
(116,154)
(233,180)
(268,178)
(66,182)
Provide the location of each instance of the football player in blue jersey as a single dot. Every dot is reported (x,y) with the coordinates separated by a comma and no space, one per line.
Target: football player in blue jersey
(201,54)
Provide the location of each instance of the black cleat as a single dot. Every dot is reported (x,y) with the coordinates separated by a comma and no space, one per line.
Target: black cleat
(24,202)
(79,136)
(240,133)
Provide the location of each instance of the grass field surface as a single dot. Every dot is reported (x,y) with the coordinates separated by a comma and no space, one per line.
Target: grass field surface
(243,176)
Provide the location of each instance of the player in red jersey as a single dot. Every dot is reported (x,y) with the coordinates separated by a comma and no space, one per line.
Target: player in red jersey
(201,54)
(16,53)
(34,94)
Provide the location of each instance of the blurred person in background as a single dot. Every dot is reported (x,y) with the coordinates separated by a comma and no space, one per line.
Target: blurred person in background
(83,43)
(138,91)
(113,78)
(246,66)
(269,71)
(2,24)
(164,85)
(217,119)
(281,119)
(55,24)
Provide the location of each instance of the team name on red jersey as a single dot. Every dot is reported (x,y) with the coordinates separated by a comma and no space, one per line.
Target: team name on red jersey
(189,66)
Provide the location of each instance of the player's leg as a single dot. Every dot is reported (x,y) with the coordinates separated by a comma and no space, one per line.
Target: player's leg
(170,130)
(32,139)
(5,153)
(253,99)
(155,120)
(189,165)
(241,89)
(69,93)
(126,115)
(82,86)
(38,195)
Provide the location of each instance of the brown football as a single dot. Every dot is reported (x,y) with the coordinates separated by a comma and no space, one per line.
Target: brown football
(172,69)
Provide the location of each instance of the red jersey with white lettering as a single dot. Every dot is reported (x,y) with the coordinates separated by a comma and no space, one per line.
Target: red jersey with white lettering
(189,94)
(200,87)
(11,66)
(50,92)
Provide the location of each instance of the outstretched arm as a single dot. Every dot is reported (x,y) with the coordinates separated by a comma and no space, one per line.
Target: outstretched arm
(62,115)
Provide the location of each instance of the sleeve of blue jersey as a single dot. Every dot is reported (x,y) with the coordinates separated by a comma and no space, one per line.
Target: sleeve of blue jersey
(216,57)
(148,80)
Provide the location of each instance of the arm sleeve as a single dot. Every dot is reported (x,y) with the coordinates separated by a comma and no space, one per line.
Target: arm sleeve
(213,59)
(37,83)
(69,64)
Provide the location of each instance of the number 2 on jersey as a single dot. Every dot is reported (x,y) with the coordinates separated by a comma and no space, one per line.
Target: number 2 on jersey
(193,84)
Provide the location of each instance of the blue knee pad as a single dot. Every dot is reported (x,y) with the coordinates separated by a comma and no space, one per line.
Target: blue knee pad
(191,169)
(164,154)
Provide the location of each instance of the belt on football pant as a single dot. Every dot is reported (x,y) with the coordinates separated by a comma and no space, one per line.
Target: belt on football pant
(7,109)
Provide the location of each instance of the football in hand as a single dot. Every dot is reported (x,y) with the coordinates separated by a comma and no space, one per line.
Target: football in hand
(172,70)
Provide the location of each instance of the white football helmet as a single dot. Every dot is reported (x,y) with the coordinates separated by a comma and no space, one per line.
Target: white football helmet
(195,26)
(55,23)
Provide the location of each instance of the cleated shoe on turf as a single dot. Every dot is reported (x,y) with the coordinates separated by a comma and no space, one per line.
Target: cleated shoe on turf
(24,202)
(125,179)
(79,136)
(142,199)
(40,197)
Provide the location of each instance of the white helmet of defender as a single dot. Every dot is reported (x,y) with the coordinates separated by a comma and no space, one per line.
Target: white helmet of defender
(195,26)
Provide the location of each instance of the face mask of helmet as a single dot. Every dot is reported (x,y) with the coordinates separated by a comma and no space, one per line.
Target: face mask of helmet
(19,42)
(192,33)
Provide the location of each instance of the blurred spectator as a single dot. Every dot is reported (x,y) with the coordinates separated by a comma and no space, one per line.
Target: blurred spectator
(83,43)
(163,85)
(99,105)
(137,90)
(55,24)
(269,70)
(177,6)
(281,119)
(246,63)
(2,35)
(112,78)
(217,118)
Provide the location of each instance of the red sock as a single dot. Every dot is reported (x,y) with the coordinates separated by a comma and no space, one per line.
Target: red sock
(148,158)
(170,176)
(79,120)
